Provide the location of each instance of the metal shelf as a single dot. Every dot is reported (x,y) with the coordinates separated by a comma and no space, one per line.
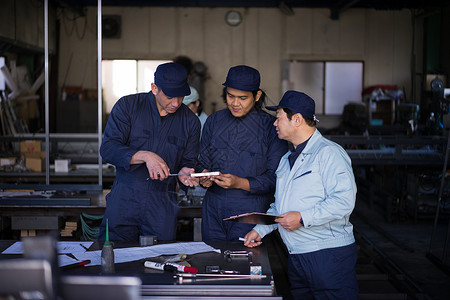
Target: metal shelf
(393,150)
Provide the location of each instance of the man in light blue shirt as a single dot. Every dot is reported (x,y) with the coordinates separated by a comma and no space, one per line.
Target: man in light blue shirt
(195,105)
(315,195)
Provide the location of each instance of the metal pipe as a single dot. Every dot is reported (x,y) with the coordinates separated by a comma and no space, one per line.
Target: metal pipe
(190,275)
(99,88)
(447,236)
(441,189)
(47,131)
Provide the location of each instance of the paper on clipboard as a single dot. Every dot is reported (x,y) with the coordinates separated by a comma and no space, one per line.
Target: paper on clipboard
(254,218)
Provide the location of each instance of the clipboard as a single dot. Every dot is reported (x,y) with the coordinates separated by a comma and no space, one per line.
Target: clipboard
(253,218)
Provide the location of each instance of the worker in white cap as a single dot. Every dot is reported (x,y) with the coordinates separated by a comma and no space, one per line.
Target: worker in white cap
(193,102)
(195,105)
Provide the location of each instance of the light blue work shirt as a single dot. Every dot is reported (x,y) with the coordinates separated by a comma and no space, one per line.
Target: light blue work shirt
(321,186)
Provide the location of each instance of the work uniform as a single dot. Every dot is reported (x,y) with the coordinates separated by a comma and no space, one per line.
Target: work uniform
(138,205)
(203,117)
(321,186)
(246,147)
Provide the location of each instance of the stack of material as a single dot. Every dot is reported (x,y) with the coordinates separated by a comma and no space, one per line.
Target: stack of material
(25,232)
(68,229)
(18,108)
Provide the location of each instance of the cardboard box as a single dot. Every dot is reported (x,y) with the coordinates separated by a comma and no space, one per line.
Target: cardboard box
(90,94)
(35,161)
(35,164)
(31,146)
(27,106)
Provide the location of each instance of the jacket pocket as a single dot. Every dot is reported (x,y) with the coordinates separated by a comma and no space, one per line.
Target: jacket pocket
(174,150)
(306,173)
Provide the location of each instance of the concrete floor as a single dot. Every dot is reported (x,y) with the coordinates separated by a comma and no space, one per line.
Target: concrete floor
(405,271)
(406,244)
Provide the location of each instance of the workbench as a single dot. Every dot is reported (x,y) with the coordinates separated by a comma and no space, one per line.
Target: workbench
(165,285)
(46,211)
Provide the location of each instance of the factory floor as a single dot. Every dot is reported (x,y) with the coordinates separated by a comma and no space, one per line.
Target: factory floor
(392,258)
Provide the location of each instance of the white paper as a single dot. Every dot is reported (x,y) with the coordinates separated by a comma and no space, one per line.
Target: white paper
(63,247)
(93,256)
(122,255)
(64,260)
(73,247)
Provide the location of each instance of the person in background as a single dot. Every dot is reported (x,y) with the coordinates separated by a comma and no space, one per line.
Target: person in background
(147,137)
(241,143)
(193,102)
(194,195)
(315,195)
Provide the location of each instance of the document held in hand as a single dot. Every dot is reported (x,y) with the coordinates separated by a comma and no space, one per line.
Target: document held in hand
(253,218)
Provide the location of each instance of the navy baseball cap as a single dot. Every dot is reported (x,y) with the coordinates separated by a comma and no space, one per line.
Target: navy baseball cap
(297,102)
(172,79)
(243,78)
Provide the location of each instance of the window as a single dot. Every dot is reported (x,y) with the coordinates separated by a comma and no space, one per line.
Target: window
(124,77)
(332,85)
(2,78)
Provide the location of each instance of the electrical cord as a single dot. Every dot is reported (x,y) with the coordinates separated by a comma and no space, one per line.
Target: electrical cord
(89,233)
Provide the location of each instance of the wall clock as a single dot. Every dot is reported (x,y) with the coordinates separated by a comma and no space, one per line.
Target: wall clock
(233,18)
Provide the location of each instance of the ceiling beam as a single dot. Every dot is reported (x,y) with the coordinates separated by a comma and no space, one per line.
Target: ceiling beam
(340,7)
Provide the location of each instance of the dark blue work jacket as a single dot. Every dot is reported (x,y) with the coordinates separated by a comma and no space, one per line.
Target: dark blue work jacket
(247,147)
(138,205)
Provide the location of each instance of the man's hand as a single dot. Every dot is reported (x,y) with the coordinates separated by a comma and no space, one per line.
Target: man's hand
(206,180)
(253,239)
(156,166)
(187,179)
(230,181)
(290,220)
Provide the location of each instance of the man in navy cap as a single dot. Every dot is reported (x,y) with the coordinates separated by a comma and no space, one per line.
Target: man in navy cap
(147,137)
(241,143)
(315,195)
